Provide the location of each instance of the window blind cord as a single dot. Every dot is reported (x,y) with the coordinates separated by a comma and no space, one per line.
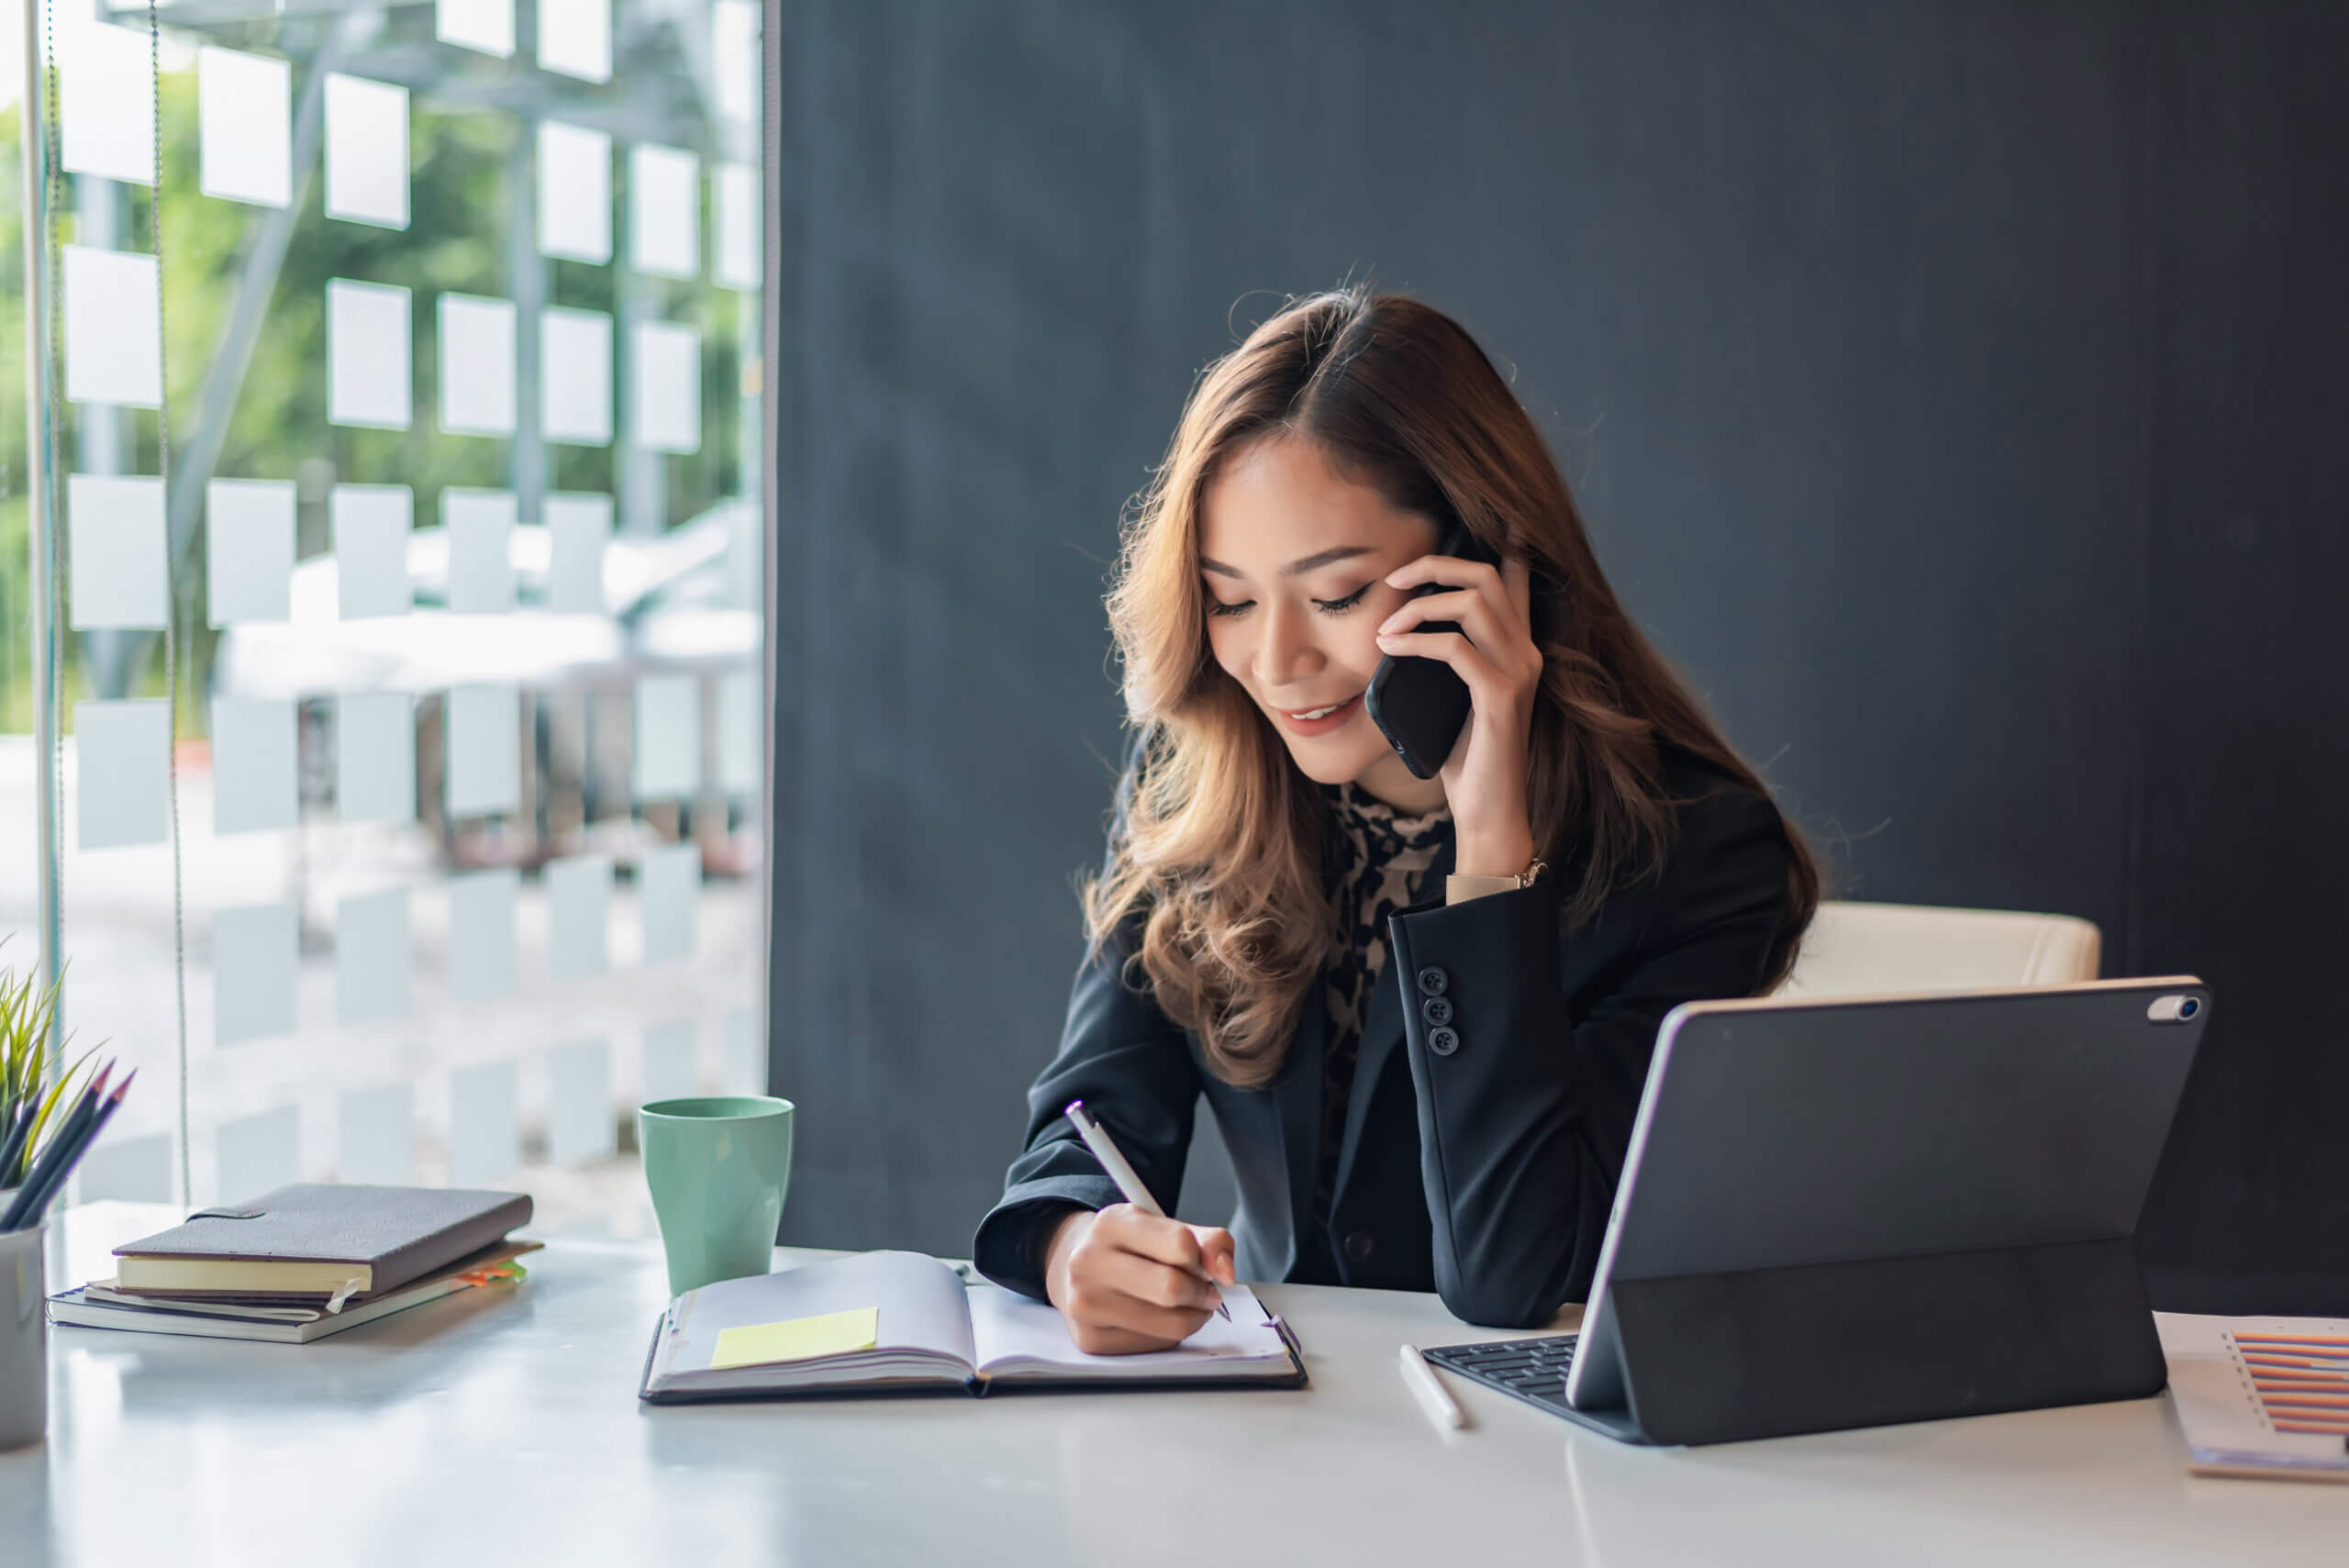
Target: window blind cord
(170,586)
(43,515)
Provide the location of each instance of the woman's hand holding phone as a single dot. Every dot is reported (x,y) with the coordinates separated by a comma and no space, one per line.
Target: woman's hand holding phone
(1494,653)
(1126,1281)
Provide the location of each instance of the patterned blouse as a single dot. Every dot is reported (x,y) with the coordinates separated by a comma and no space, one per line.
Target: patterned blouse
(1379,860)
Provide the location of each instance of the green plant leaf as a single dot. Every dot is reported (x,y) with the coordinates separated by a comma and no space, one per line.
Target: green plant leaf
(57,1104)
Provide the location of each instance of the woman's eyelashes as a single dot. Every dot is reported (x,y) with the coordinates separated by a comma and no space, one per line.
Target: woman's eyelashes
(1327,606)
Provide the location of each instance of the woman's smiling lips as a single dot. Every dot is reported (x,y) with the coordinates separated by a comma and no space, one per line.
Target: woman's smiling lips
(1320,720)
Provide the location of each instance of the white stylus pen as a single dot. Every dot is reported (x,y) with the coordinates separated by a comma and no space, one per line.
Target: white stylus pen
(1431,1393)
(1113,1160)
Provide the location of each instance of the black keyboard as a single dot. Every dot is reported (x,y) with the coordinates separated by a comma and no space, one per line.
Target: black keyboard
(1532,1370)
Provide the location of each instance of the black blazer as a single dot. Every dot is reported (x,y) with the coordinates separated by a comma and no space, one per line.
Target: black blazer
(1481,1165)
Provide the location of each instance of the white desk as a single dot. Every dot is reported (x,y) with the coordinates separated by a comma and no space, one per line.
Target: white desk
(503,1428)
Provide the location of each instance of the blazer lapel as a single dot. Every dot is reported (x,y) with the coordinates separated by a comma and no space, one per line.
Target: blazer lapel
(1382,1028)
(1297,1095)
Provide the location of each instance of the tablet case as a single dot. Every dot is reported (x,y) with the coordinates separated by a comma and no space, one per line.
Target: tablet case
(1953,1182)
(1768,1353)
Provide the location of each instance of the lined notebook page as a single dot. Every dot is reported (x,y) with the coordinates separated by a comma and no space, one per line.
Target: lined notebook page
(1016,1336)
(921,1319)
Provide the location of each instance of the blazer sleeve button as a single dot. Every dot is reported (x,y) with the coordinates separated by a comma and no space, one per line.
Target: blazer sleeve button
(1443,1041)
(1434,981)
(1437,1010)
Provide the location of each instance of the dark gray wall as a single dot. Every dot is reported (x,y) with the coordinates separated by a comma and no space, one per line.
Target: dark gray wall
(1954,390)
(2240,863)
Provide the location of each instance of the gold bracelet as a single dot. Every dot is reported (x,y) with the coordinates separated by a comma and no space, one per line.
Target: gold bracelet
(1459,889)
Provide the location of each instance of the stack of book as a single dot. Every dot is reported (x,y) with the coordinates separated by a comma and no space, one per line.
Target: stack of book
(305,1262)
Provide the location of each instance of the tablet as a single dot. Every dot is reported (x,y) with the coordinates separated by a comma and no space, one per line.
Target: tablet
(1842,1212)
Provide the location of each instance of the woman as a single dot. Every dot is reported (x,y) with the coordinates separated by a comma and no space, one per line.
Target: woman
(1422,1010)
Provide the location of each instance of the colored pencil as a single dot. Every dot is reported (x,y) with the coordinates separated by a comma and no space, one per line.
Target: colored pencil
(13,1144)
(54,1154)
(70,1118)
(89,1137)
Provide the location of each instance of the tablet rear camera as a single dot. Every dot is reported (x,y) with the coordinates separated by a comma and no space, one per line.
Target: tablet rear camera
(2188,1008)
(2175,1008)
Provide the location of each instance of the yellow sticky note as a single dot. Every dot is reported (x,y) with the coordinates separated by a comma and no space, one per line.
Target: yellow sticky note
(797,1338)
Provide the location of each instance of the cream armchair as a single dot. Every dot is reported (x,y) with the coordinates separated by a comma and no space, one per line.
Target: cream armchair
(1861,950)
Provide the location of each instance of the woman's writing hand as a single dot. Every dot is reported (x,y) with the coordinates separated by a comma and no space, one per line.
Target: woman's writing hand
(1494,652)
(1128,1281)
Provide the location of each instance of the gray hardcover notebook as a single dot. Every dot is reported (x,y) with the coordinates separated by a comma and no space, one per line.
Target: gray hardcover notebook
(98,1306)
(314,1241)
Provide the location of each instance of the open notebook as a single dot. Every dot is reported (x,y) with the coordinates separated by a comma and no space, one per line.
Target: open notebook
(901,1321)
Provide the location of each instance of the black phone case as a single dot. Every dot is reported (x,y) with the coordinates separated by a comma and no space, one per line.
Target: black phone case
(1420,705)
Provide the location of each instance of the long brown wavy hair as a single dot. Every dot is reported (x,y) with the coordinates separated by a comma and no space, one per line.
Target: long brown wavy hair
(1217,851)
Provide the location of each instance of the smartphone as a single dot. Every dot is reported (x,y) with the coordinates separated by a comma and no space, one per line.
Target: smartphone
(1418,703)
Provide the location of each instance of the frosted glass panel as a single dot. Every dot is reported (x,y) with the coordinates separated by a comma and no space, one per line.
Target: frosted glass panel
(485,744)
(260,1154)
(255,958)
(133,1170)
(378,1142)
(249,549)
(484,24)
(579,904)
(481,907)
(746,1053)
(244,112)
(734,51)
(122,757)
(575,38)
(481,564)
(367,355)
(484,1130)
(366,150)
(116,531)
(106,102)
(668,738)
(664,211)
(374,957)
(739,734)
(576,376)
(579,527)
(745,578)
(371,525)
(665,410)
(581,1124)
(254,785)
(114,329)
(476,365)
(668,884)
(574,192)
(670,1071)
(374,757)
(738,220)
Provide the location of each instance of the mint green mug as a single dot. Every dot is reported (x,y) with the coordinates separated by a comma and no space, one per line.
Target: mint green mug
(718,1166)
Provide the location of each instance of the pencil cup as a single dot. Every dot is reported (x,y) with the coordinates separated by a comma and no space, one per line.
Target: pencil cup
(24,1339)
(717,1167)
